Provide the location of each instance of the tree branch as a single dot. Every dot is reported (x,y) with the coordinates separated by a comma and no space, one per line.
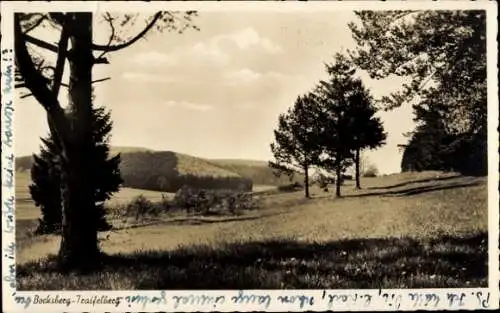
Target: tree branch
(101,80)
(101,60)
(109,19)
(41,43)
(26,95)
(61,56)
(37,23)
(108,48)
(36,83)
(93,82)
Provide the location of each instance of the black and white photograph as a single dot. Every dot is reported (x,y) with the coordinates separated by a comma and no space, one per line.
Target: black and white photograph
(191,149)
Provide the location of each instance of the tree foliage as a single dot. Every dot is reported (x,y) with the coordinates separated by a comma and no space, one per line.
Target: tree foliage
(347,120)
(443,56)
(296,146)
(45,174)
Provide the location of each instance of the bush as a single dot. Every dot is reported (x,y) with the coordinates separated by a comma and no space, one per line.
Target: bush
(141,206)
(371,171)
(208,201)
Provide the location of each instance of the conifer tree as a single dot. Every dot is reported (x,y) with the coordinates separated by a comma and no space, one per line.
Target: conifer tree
(347,119)
(45,173)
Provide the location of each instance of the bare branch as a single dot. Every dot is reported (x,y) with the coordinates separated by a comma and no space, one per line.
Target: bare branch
(61,56)
(36,83)
(41,43)
(37,23)
(101,80)
(26,95)
(108,48)
(109,19)
(101,60)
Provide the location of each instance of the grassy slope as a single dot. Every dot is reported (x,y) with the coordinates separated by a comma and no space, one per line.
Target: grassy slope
(405,230)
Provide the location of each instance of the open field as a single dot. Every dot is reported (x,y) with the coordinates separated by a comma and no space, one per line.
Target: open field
(26,210)
(404,230)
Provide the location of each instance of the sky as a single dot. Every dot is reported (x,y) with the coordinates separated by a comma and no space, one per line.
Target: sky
(217,92)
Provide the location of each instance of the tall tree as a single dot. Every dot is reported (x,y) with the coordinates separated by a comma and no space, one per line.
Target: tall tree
(45,173)
(347,120)
(73,128)
(366,129)
(442,54)
(296,146)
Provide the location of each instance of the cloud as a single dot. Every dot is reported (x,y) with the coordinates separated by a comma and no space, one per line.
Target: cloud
(189,105)
(153,58)
(246,39)
(150,77)
(207,54)
(214,52)
(248,76)
(244,75)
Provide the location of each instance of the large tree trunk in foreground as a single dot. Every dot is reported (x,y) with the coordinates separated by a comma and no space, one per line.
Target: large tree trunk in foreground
(79,245)
(357,161)
(306,181)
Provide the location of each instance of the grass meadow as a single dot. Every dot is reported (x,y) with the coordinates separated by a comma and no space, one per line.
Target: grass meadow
(409,230)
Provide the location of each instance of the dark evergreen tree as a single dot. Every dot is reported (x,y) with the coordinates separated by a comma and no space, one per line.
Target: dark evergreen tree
(366,129)
(45,188)
(296,147)
(45,173)
(347,120)
(432,147)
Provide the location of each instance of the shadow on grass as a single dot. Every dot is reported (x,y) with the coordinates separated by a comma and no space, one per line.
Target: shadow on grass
(202,221)
(417,181)
(415,190)
(362,263)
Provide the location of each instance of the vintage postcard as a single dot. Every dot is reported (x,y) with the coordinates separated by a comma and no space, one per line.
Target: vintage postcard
(249,156)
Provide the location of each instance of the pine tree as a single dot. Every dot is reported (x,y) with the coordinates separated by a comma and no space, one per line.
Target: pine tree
(45,173)
(366,129)
(347,119)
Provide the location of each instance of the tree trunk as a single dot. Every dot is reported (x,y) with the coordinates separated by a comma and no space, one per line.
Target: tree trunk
(357,161)
(79,245)
(339,174)
(306,180)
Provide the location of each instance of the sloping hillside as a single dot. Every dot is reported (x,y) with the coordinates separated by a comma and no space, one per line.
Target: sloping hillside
(168,171)
(258,171)
(24,163)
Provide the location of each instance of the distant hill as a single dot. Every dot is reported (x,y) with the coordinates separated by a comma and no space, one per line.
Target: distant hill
(23,163)
(168,171)
(258,171)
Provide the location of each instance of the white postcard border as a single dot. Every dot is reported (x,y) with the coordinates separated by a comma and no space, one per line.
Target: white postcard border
(299,300)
